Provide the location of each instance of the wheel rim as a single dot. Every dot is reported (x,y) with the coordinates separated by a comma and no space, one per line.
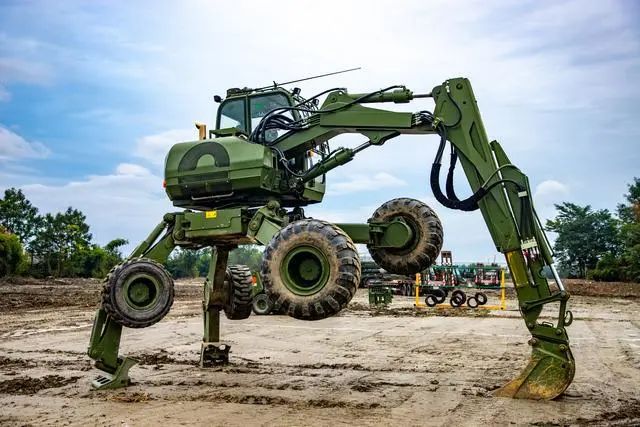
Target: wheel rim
(305,270)
(141,291)
(262,304)
(411,245)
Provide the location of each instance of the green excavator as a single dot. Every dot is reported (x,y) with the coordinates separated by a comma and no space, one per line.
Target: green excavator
(247,182)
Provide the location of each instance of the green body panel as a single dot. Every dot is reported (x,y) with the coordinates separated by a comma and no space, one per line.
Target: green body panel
(229,170)
(215,225)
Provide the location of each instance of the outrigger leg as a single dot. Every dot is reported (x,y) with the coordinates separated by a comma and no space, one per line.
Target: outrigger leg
(104,343)
(213,352)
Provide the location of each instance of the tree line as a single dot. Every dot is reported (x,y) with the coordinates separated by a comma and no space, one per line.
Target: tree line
(57,244)
(596,244)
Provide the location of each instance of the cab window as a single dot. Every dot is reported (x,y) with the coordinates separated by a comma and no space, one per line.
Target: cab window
(232,114)
(260,105)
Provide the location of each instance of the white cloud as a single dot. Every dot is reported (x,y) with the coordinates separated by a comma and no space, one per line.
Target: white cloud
(546,195)
(153,148)
(550,189)
(360,183)
(132,169)
(14,147)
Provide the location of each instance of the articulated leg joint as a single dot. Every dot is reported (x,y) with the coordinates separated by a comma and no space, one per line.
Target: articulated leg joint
(562,296)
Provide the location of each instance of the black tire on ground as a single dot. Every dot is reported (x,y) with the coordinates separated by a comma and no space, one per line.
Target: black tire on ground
(460,295)
(262,304)
(472,302)
(455,302)
(439,294)
(430,300)
(481,297)
(239,285)
(423,251)
(137,293)
(321,247)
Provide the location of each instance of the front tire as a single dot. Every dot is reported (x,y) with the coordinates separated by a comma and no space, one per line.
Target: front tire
(310,269)
(138,293)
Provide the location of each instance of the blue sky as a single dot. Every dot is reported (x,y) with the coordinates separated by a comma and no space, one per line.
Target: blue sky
(92,94)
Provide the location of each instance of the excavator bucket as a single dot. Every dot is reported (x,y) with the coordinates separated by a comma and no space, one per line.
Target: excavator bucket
(547,376)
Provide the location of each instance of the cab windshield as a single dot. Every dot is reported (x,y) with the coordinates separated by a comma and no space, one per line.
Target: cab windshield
(261,105)
(233,112)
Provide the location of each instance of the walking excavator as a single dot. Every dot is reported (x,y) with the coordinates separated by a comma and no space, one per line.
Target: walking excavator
(248,181)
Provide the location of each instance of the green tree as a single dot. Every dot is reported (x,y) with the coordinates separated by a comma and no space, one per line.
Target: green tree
(18,215)
(584,236)
(629,214)
(183,263)
(95,261)
(113,248)
(12,258)
(90,261)
(59,237)
(186,263)
(249,255)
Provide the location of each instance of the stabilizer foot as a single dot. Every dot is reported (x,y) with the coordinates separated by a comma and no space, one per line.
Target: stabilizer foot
(120,378)
(547,376)
(214,354)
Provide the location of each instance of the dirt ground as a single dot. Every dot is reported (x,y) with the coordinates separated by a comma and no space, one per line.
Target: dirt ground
(363,367)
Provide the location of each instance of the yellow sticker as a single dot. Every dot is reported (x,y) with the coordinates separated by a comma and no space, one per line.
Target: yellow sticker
(211,214)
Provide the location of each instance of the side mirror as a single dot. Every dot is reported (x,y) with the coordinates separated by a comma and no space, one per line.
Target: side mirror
(217,98)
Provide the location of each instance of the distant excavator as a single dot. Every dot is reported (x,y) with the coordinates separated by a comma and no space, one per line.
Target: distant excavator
(247,181)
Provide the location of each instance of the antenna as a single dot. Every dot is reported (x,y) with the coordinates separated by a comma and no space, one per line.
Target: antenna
(310,78)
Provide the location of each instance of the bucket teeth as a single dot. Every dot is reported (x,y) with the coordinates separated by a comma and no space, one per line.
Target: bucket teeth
(547,376)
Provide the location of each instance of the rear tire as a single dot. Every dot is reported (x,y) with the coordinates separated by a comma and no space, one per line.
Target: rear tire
(310,269)
(419,254)
(239,304)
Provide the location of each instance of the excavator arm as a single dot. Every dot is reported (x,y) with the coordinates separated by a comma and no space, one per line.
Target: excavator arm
(500,191)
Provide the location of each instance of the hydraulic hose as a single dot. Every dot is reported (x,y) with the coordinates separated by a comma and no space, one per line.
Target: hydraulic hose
(451,200)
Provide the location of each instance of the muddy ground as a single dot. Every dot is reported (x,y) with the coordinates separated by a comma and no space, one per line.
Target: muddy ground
(364,367)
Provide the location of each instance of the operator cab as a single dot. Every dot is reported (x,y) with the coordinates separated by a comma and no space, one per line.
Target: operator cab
(244,108)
